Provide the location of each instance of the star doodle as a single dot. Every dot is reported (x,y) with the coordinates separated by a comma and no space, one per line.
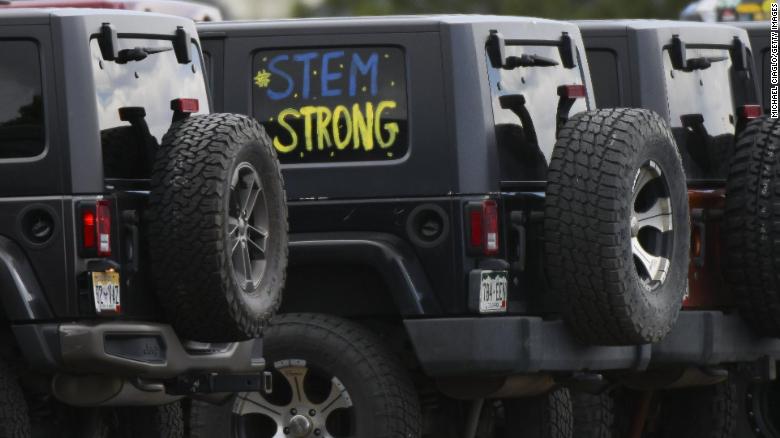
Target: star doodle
(263,79)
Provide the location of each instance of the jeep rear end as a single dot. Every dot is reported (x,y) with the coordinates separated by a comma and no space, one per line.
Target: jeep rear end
(85,88)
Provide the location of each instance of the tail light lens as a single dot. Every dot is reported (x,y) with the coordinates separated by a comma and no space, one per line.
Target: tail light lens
(103,220)
(750,111)
(572,91)
(185,105)
(483,227)
(96,228)
(88,229)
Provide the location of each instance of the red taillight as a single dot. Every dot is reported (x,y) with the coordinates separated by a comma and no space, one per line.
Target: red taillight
(103,220)
(96,228)
(475,224)
(483,227)
(185,105)
(88,229)
(750,111)
(490,219)
(572,91)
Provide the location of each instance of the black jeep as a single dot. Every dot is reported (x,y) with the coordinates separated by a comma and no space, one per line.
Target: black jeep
(142,237)
(455,198)
(700,78)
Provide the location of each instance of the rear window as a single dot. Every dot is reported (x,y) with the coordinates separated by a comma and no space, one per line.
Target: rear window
(21,102)
(701,109)
(332,105)
(150,84)
(526,133)
(143,91)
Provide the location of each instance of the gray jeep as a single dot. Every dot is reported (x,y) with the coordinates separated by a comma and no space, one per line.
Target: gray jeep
(143,238)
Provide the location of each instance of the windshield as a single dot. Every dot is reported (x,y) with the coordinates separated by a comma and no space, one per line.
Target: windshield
(701,110)
(526,133)
(134,97)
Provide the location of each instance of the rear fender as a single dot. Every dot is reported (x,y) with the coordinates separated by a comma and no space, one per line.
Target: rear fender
(393,258)
(21,295)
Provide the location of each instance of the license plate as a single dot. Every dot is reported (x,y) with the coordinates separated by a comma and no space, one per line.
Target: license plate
(105,288)
(492,292)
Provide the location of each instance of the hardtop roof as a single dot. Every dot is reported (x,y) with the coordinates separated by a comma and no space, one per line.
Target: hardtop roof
(696,32)
(44,15)
(375,24)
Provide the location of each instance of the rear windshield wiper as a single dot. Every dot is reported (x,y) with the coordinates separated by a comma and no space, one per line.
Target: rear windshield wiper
(529,61)
(703,62)
(139,53)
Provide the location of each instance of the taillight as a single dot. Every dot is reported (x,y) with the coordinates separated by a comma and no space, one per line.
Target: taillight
(483,227)
(103,220)
(572,91)
(750,111)
(96,228)
(88,229)
(186,106)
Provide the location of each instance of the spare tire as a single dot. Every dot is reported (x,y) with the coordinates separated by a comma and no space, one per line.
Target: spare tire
(752,235)
(217,227)
(616,226)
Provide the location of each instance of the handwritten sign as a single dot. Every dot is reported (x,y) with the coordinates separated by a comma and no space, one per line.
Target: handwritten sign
(330,105)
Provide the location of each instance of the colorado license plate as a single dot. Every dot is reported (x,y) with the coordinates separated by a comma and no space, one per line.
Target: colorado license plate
(492,292)
(105,288)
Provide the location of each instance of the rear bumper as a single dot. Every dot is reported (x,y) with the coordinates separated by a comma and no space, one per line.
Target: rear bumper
(713,338)
(508,345)
(131,349)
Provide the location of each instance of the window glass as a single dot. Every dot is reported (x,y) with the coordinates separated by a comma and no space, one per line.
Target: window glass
(333,105)
(22,132)
(207,61)
(150,84)
(604,75)
(527,120)
(701,109)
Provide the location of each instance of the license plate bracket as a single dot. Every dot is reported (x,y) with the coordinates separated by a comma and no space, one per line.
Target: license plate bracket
(489,291)
(106,292)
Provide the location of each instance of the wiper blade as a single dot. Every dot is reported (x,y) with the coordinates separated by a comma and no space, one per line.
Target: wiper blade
(704,62)
(139,53)
(529,61)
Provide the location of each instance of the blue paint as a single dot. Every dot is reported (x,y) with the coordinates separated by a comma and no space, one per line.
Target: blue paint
(276,95)
(327,76)
(332,80)
(364,68)
(306,59)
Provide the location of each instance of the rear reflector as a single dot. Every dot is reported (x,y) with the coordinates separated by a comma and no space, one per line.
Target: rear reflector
(185,105)
(750,111)
(572,91)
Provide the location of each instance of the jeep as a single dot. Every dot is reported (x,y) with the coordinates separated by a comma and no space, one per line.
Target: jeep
(143,237)
(700,79)
(465,225)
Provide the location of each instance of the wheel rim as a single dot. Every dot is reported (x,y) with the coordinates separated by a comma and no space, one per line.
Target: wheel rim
(651,225)
(300,410)
(247,227)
